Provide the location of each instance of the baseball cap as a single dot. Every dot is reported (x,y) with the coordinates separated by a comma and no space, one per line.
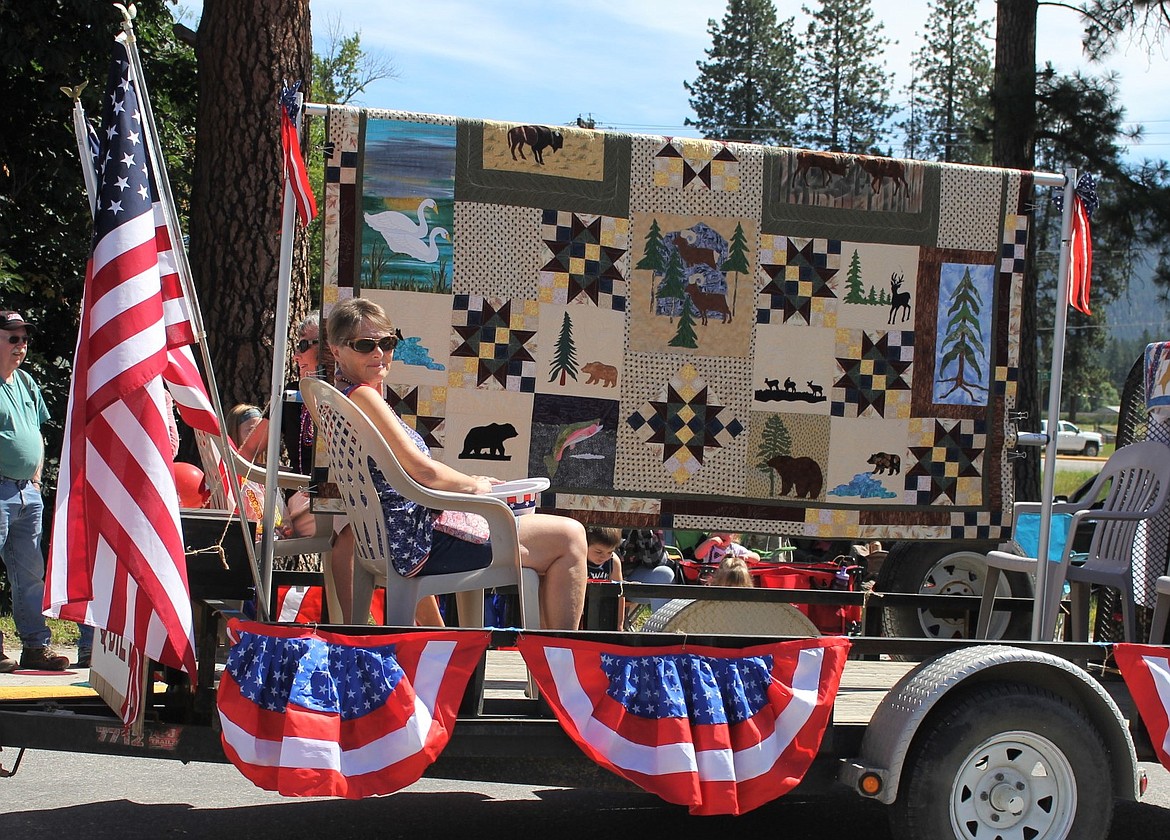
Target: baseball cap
(10,320)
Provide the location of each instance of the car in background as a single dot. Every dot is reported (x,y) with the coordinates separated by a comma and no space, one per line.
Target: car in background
(1072,439)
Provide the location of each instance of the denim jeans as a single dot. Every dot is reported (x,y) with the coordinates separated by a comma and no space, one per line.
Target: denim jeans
(21,511)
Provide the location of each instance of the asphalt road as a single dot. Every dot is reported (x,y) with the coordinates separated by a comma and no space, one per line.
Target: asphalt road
(59,795)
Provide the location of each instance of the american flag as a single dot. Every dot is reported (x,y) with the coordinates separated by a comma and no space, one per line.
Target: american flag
(721,731)
(1146,669)
(294,163)
(310,713)
(116,557)
(1080,264)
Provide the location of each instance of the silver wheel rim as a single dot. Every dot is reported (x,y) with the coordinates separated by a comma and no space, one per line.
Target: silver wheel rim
(1014,786)
(961,573)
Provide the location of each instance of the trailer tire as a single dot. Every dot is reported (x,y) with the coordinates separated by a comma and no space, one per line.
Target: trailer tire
(945,569)
(1006,761)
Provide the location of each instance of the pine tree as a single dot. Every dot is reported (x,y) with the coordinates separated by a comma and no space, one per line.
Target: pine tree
(774,440)
(848,86)
(950,94)
(962,345)
(737,260)
(565,356)
(685,335)
(750,88)
(672,283)
(872,300)
(652,256)
(856,293)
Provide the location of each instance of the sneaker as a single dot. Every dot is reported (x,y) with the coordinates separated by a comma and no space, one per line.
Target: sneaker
(83,658)
(7,666)
(42,659)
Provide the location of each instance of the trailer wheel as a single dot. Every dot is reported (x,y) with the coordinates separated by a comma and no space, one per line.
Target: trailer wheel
(944,569)
(1008,762)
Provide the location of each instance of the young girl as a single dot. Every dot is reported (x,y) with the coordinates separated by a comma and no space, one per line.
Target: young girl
(723,544)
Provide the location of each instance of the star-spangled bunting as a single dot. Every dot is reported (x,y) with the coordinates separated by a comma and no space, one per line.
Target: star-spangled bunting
(1146,669)
(1080,245)
(720,731)
(323,714)
(295,174)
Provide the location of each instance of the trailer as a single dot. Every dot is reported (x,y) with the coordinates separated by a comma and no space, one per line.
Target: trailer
(682,334)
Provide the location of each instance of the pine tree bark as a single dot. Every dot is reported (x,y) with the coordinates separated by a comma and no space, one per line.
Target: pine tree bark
(244,51)
(1014,145)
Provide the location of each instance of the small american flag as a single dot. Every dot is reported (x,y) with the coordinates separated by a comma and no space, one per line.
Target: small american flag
(116,556)
(311,713)
(295,173)
(721,731)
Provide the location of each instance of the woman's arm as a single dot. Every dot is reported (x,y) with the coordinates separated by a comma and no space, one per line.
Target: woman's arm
(425,470)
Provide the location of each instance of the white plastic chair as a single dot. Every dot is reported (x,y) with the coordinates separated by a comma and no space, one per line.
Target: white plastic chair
(320,543)
(1138,476)
(353,444)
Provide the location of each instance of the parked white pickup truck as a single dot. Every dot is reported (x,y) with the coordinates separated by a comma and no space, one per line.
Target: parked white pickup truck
(1070,438)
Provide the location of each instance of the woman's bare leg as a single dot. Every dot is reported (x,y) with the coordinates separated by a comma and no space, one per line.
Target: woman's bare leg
(342,566)
(554,547)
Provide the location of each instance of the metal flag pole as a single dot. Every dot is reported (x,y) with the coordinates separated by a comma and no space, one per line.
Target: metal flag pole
(183,267)
(279,353)
(1047,602)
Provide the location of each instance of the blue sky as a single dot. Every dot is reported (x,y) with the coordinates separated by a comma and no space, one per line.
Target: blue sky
(624,61)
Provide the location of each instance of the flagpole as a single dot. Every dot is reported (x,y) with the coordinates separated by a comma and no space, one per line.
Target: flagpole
(82,133)
(1044,612)
(279,352)
(183,267)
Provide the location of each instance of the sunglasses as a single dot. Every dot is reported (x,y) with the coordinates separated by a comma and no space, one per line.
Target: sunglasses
(366,345)
(18,339)
(304,344)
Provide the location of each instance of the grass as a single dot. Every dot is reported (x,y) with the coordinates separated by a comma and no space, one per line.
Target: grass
(64,632)
(1069,480)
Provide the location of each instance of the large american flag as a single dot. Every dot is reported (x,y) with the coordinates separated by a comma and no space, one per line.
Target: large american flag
(116,557)
(311,713)
(721,731)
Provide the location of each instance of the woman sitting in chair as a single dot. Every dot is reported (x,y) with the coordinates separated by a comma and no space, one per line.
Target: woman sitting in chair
(362,340)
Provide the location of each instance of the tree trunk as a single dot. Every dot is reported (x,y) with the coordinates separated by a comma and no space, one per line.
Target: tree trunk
(1013,99)
(244,51)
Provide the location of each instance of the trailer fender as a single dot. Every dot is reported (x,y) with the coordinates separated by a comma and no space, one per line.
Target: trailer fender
(894,725)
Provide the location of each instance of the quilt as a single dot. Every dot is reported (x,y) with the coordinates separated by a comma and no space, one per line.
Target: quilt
(685,333)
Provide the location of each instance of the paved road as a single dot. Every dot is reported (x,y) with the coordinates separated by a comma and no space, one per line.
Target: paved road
(56,795)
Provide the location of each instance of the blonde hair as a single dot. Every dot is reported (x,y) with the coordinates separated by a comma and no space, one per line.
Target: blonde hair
(345,320)
(733,571)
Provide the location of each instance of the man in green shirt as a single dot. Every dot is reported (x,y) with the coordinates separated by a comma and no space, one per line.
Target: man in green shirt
(22,454)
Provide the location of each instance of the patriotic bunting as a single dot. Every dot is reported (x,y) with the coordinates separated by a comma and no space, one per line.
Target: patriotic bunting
(324,714)
(720,731)
(1146,669)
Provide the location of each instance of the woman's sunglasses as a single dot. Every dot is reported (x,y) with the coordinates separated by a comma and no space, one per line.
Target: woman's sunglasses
(366,345)
(304,344)
(18,339)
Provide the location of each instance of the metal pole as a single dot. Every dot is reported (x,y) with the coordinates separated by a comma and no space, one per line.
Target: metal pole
(279,353)
(1047,602)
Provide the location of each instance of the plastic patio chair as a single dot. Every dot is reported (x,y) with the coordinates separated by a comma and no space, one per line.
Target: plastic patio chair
(322,540)
(1138,479)
(353,444)
(1161,611)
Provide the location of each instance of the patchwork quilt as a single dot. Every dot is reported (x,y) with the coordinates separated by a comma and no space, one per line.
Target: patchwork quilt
(685,333)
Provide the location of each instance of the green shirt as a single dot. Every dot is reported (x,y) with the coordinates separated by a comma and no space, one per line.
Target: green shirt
(22,411)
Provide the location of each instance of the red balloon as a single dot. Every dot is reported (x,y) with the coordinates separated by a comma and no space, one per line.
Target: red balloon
(189,483)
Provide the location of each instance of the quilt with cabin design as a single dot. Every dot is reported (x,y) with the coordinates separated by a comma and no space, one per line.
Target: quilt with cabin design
(686,333)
